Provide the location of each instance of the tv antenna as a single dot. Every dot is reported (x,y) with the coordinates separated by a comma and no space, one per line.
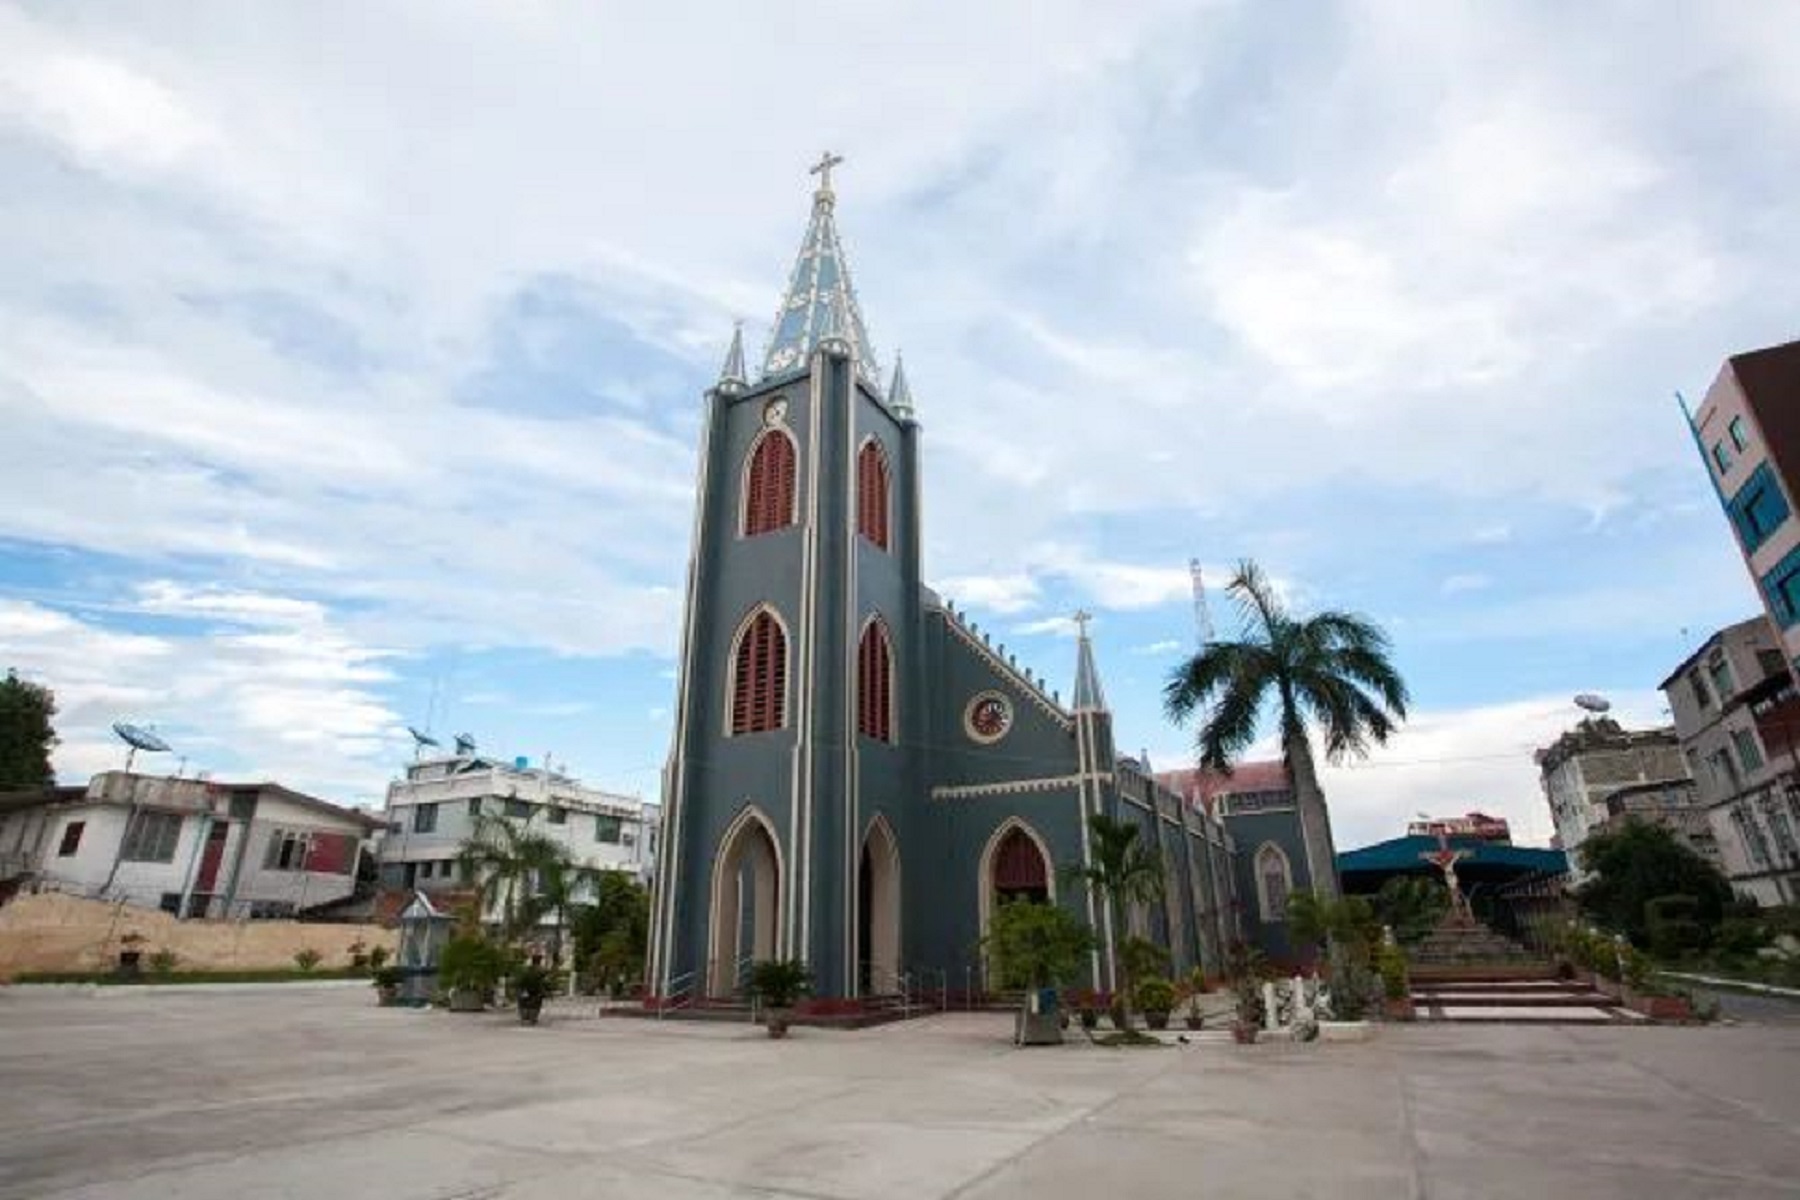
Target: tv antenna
(465,744)
(138,738)
(1203,625)
(420,741)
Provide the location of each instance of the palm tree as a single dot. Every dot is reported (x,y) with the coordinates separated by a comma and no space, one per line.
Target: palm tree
(1329,671)
(522,873)
(1125,872)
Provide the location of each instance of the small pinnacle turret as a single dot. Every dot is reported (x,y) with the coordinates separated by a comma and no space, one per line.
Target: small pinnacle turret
(732,378)
(1088,694)
(899,395)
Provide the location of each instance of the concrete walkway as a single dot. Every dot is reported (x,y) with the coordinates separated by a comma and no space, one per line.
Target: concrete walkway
(321,1094)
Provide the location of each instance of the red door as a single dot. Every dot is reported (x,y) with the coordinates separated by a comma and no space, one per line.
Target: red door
(210,859)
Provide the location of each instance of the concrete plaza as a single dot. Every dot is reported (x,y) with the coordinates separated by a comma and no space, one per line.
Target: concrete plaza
(314,1092)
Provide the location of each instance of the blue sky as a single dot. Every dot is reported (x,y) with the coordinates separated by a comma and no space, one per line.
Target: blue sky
(350,359)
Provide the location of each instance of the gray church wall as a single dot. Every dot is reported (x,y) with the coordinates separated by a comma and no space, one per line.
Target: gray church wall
(1250,832)
(1037,745)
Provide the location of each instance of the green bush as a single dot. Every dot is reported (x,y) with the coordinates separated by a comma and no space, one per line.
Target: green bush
(1673,926)
(532,984)
(1741,937)
(163,962)
(307,958)
(1391,962)
(470,961)
(778,983)
(378,958)
(1036,945)
(1155,995)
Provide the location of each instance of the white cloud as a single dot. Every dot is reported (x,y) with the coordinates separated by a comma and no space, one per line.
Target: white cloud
(1060,626)
(1467,582)
(1157,649)
(1009,593)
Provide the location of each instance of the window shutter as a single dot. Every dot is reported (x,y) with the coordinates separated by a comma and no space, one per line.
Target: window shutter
(872,494)
(769,490)
(874,675)
(759,685)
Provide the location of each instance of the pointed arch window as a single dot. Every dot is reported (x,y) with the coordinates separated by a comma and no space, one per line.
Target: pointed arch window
(872,493)
(769,484)
(1274,882)
(875,683)
(759,676)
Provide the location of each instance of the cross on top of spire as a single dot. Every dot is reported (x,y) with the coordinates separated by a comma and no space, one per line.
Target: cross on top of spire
(823,170)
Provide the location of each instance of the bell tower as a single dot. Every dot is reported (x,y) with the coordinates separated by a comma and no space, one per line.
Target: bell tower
(789,785)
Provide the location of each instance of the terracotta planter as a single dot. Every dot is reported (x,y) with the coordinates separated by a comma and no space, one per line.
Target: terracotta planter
(387,997)
(1194,1022)
(1157,1020)
(530,1008)
(776,1021)
(1399,1008)
(1243,1035)
(1664,1008)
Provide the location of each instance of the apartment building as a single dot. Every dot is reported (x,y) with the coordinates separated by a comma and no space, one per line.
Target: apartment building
(432,812)
(1736,712)
(1586,766)
(1748,432)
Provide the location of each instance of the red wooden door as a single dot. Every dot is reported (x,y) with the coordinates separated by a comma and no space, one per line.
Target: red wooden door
(210,859)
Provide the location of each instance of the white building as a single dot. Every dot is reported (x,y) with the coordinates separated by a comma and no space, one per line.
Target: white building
(1736,708)
(431,813)
(1584,767)
(192,847)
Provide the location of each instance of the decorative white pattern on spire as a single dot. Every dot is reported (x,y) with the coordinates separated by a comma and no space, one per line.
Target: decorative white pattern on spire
(1088,695)
(821,301)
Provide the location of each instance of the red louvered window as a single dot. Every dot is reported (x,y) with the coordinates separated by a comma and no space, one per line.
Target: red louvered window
(872,494)
(875,684)
(1019,866)
(759,677)
(769,488)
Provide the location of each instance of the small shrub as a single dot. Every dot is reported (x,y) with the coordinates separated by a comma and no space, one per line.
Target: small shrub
(1391,962)
(1156,995)
(778,983)
(378,957)
(359,955)
(388,977)
(1672,924)
(163,961)
(307,958)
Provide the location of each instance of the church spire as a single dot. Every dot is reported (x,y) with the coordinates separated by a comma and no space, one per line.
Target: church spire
(820,302)
(1088,695)
(899,395)
(731,375)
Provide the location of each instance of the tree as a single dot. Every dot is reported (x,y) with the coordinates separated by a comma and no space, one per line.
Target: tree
(1036,945)
(1641,862)
(26,734)
(612,934)
(1125,872)
(523,874)
(1329,671)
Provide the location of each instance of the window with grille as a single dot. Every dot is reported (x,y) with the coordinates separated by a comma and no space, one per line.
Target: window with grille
(759,677)
(608,828)
(875,680)
(769,485)
(1274,880)
(71,839)
(151,837)
(286,851)
(425,818)
(872,494)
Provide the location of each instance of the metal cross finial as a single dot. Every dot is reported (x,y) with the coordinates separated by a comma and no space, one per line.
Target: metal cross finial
(823,169)
(1082,617)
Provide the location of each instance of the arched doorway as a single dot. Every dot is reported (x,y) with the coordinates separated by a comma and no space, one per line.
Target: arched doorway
(1015,867)
(878,912)
(746,899)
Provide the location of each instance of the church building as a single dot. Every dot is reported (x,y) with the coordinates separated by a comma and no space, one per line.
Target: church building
(859,777)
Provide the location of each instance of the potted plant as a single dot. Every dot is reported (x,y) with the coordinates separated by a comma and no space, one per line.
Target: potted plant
(1155,997)
(778,984)
(1195,989)
(131,954)
(468,969)
(1247,968)
(1090,1015)
(1036,947)
(530,984)
(387,986)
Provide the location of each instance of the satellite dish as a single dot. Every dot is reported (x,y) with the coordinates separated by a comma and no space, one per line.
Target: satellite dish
(465,743)
(1593,703)
(138,738)
(420,741)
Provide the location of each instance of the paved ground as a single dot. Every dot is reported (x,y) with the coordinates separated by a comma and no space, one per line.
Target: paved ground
(314,1092)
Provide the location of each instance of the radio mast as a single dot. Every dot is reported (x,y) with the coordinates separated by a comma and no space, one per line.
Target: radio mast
(1203,626)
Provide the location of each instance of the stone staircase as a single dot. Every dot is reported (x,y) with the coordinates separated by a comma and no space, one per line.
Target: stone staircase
(1518,1001)
(1461,943)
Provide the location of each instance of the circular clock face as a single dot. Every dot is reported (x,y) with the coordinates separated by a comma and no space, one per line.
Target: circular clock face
(988,717)
(775,411)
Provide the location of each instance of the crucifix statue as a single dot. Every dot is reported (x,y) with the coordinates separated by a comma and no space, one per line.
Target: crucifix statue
(1445,860)
(823,170)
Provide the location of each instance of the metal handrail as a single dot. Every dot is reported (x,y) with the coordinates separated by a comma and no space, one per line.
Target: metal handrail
(678,985)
